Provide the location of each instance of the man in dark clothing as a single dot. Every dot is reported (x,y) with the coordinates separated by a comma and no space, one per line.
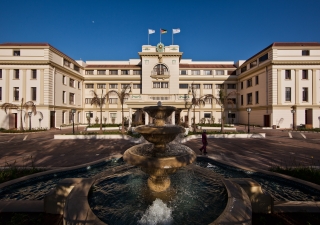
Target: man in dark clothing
(204,142)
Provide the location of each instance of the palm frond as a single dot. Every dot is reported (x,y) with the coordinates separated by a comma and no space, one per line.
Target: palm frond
(6,106)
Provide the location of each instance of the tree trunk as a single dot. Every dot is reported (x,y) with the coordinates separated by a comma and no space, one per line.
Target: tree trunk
(194,119)
(222,122)
(101,118)
(21,126)
(122,128)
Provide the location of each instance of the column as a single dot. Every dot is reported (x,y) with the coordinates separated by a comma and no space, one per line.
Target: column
(41,87)
(297,90)
(146,118)
(130,117)
(173,118)
(280,89)
(314,87)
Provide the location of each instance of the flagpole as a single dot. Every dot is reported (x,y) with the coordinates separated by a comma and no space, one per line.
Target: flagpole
(160,35)
(172,37)
(148,36)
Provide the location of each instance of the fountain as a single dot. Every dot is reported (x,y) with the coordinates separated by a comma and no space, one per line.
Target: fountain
(160,159)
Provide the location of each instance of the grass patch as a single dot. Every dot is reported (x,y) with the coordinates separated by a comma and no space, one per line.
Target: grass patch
(104,125)
(23,131)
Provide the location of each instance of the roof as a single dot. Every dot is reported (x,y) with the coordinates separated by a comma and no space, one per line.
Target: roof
(40,44)
(114,66)
(187,66)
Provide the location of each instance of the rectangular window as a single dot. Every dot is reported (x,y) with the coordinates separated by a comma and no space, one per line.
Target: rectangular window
(66,63)
(16,93)
(71,82)
(89,72)
(16,74)
(257,97)
(305,94)
(125,72)
(113,72)
(89,86)
(63,117)
(101,72)
(196,86)
(305,52)
(113,86)
(0,93)
(241,99)
(113,101)
(263,58)
(232,86)
(219,72)
(87,100)
(219,86)
(249,83)
(288,74)
(71,99)
(76,68)
(207,72)
(304,74)
(137,72)
(244,69)
(183,72)
(33,94)
(16,52)
(64,97)
(164,85)
(257,80)
(195,72)
(64,79)
(183,86)
(136,86)
(249,98)
(207,115)
(288,94)
(0,73)
(79,84)
(253,64)
(207,86)
(33,74)
(241,84)
(101,86)
(123,86)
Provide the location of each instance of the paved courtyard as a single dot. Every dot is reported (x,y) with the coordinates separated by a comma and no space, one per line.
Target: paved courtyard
(278,148)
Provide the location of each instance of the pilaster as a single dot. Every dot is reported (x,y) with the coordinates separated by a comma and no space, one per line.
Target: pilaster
(297,90)
(279,88)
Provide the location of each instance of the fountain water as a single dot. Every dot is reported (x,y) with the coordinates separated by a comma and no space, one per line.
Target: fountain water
(160,159)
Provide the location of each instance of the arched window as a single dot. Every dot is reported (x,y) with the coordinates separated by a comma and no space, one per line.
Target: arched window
(160,69)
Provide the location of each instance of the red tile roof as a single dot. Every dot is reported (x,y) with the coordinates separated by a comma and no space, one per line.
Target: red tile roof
(114,66)
(187,66)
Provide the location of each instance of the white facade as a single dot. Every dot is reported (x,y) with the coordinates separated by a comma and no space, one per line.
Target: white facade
(282,77)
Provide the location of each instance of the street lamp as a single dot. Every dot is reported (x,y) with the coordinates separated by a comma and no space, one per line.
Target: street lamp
(73,111)
(229,112)
(293,112)
(29,113)
(248,110)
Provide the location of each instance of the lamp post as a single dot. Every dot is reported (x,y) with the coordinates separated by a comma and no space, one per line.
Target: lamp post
(293,112)
(29,113)
(73,111)
(248,110)
(229,112)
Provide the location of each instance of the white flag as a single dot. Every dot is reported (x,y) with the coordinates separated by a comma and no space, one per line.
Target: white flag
(175,31)
(151,31)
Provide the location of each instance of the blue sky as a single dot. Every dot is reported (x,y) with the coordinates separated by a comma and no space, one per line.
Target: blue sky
(116,30)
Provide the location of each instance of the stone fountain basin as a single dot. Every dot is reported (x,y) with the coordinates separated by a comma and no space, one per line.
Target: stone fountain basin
(181,158)
(159,112)
(159,134)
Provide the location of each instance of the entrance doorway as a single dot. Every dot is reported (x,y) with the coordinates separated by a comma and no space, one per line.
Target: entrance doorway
(52,119)
(308,118)
(13,121)
(266,120)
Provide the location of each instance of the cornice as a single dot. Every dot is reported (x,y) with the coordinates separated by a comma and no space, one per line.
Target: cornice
(78,75)
(120,78)
(206,78)
(24,62)
(296,62)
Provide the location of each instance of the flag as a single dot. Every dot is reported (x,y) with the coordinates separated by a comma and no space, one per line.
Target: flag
(163,31)
(151,31)
(175,31)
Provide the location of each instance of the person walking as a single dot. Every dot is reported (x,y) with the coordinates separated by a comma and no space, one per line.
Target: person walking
(204,142)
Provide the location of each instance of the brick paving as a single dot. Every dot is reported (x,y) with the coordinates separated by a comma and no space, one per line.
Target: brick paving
(276,149)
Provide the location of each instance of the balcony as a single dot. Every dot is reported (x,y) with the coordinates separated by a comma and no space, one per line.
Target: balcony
(160,74)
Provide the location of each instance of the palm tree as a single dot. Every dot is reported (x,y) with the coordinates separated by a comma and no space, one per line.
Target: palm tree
(99,101)
(123,95)
(26,106)
(223,100)
(195,102)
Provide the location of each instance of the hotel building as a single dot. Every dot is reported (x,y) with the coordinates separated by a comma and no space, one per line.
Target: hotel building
(280,84)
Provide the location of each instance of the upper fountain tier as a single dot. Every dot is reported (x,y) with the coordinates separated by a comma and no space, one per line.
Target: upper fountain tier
(159,113)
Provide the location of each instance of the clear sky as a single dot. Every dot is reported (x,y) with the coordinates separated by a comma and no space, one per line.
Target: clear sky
(116,29)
